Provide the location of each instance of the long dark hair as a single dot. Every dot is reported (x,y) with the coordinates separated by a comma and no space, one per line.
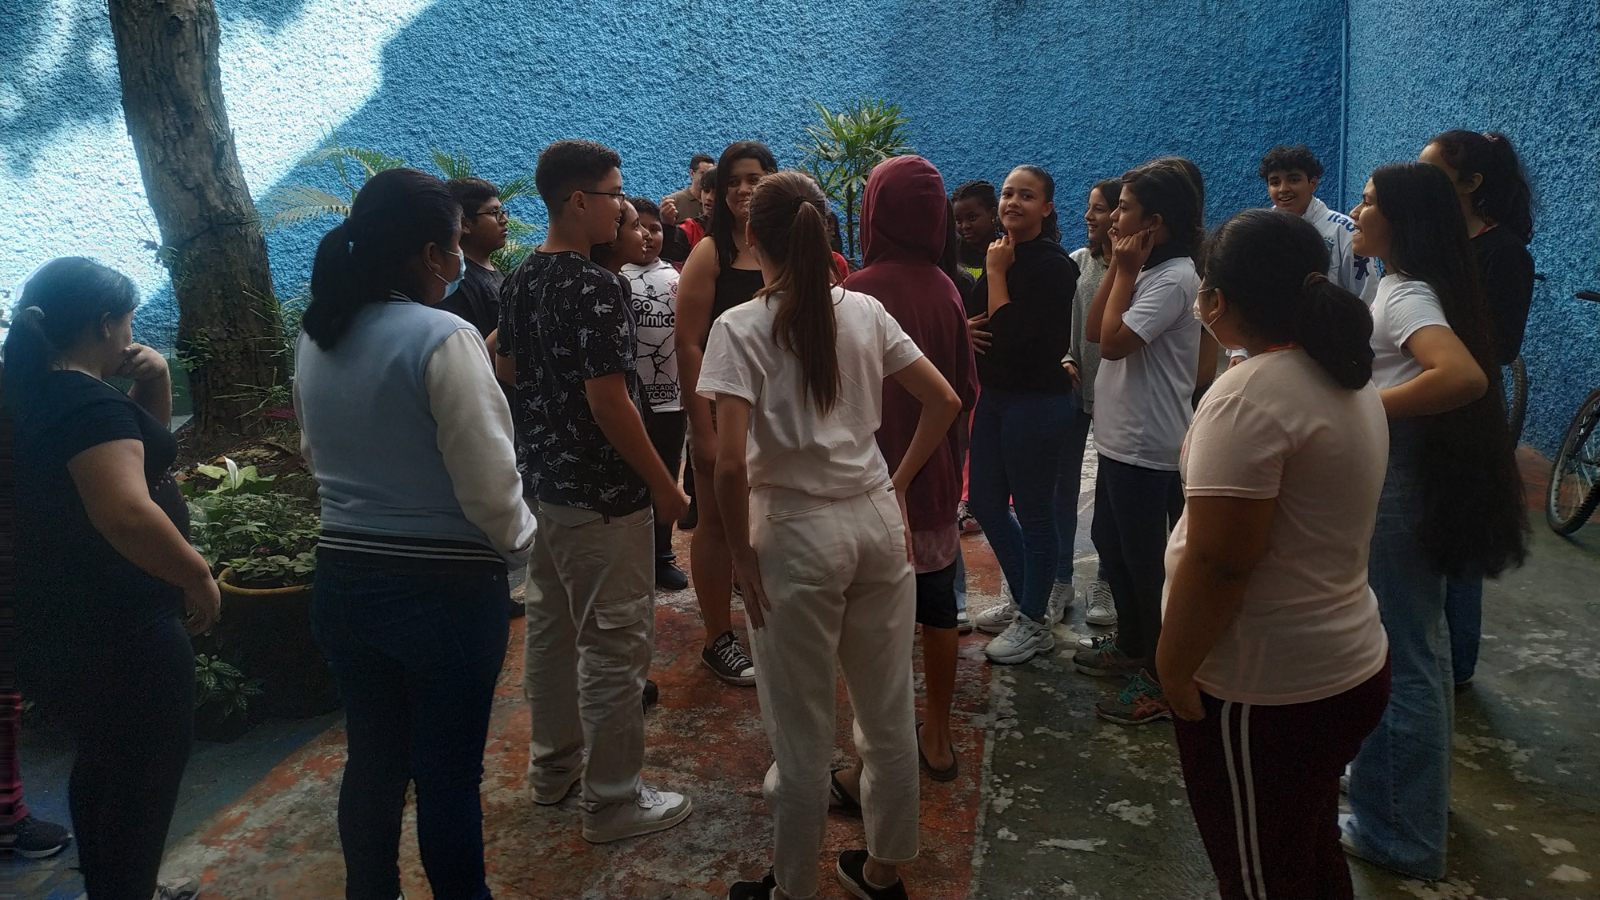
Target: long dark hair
(722,224)
(1474,519)
(1504,197)
(788,216)
(1163,187)
(1110,191)
(950,257)
(397,213)
(1271,267)
(60,303)
(1051,227)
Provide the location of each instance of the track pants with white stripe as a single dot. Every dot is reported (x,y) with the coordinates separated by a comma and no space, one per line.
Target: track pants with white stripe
(1263,783)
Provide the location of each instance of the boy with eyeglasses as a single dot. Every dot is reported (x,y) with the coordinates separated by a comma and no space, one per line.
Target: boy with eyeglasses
(483,231)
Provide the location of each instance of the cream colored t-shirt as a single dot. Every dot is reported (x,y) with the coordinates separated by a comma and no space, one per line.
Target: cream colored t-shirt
(1277,426)
(791,446)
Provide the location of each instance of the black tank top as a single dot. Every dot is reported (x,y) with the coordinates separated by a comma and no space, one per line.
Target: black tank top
(734,286)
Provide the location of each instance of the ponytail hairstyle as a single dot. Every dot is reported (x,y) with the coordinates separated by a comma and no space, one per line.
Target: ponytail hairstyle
(1165,187)
(1474,520)
(1503,197)
(1110,191)
(397,213)
(722,223)
(1190,171)
(788,216)
(60,306)
(1271,266)
(1050,229)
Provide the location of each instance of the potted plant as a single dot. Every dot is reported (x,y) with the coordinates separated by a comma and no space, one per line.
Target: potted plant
(842,149)
(221,699)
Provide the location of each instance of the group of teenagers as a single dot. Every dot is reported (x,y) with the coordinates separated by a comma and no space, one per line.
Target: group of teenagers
(1292,551)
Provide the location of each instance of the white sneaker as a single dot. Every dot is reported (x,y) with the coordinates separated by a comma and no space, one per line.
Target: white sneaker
(963,622)
(1061,597)
(996,618)
(176,889)
(551,794)
(1022,641)
(1102,608)
(653,811)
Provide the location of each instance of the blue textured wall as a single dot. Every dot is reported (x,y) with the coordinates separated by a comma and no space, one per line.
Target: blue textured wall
(1086,89)
(1527,68)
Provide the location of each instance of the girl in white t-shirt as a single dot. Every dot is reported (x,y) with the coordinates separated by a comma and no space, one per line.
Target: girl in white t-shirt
(817,529)
(1272,654)
(1451,504)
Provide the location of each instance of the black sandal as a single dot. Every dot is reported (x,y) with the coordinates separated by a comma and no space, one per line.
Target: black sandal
(947,774)
(839,799)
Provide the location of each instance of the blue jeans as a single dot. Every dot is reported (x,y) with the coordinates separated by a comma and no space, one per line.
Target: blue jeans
(1400,781)
(1069,487)
(1132,509)
(961,580)
(1017,441)
(416,653)
(1463,613)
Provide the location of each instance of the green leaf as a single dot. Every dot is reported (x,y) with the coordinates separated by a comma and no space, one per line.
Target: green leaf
(453,165)
(295,203)
(521,186)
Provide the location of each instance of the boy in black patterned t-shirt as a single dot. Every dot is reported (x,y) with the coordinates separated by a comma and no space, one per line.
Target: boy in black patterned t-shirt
(593,474)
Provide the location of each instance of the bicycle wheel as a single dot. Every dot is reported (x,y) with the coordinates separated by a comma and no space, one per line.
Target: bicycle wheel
(1575,478)
(1517,408)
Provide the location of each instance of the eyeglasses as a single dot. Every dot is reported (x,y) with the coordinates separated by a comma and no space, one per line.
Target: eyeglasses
(500,214)
(619,196)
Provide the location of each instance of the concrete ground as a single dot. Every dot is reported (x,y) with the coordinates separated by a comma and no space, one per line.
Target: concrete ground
(1052,802)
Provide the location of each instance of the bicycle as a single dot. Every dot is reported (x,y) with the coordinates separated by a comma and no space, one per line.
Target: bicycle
(1575,478)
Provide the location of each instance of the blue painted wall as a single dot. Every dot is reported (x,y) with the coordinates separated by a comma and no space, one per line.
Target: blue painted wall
(1419,67)
(1087,90)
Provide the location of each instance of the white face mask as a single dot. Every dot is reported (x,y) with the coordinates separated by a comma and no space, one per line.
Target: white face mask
(1199,317)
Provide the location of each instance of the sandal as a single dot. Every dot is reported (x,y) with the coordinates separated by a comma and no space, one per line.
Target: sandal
(950,773)
(839,799)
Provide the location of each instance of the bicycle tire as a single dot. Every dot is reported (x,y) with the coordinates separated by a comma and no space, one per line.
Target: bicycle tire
(1518,408)
(1575,477)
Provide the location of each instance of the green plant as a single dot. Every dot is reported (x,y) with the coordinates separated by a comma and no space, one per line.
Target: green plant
(223,688)
(263,569)
(842,149)
(243,517)
(231,479)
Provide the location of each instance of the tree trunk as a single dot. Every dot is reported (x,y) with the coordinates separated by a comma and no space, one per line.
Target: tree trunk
(228,325)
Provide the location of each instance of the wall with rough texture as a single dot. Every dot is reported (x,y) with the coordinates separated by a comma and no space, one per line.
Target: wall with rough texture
(1087,90)
(1527,68)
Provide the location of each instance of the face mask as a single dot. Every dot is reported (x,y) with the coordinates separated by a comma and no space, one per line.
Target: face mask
(1198,317)
(450,286)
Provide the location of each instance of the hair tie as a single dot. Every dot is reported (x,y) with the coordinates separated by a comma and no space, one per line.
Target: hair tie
(39,313)
(1313,278)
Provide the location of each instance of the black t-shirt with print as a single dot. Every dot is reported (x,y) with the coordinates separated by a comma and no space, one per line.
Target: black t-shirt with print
(477,299)
(72,585)
(563,321)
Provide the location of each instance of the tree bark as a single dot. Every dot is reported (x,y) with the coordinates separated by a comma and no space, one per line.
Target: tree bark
(228,324)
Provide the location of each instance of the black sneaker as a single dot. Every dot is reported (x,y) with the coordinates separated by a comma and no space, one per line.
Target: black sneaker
(726,658)
(652,693)
(692,517)
(669,577)
(177,889)
(35,838)
(754,890)
(851,872)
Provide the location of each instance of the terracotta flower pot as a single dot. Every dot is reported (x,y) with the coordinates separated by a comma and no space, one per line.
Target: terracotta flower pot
(266,632)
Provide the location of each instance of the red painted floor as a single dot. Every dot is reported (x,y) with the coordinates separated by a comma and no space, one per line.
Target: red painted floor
(280,840)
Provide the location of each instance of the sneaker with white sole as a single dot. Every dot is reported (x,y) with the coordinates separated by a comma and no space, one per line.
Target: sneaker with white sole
(1102,607)
(996,618)
(726,658)
(554,788)
(650,812)
(32,838)
(1021,641)
(176,889)
(1061,597)
(963,622)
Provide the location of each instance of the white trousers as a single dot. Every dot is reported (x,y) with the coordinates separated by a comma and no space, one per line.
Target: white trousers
(843,596)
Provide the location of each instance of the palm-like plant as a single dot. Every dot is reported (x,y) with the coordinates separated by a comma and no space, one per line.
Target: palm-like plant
(842,149)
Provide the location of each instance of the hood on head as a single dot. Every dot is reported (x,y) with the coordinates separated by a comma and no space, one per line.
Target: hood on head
(903,212)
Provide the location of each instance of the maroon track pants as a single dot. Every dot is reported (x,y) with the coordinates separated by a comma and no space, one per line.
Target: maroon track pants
(12,809)
(1263,782)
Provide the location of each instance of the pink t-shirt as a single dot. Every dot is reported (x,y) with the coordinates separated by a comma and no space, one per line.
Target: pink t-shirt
(1277,426)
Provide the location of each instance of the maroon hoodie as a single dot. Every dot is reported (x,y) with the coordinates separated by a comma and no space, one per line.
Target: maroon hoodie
(902,237)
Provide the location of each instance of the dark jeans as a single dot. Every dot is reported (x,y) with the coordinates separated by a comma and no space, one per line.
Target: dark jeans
(1017,442)
(127,700)
(1263,782)
(1463,613)
(416,652)
(666,430)
(1132,508)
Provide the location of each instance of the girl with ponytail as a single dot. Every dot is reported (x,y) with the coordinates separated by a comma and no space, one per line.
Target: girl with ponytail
(108,589)
(1271,637)
(1451,504)
(818,533)
(1497,206)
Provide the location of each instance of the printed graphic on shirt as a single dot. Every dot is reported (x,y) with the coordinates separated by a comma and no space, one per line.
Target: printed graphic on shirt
(654,302)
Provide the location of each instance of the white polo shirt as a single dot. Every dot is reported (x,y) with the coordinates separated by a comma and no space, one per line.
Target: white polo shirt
(1141,405)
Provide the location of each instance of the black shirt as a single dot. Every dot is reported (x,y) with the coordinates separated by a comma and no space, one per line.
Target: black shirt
(1033,332)
(1506,269)
(565,320)
(734,286)
(73,587)
(477,299)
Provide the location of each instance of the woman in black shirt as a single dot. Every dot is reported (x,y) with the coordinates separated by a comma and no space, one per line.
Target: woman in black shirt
(107,584)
